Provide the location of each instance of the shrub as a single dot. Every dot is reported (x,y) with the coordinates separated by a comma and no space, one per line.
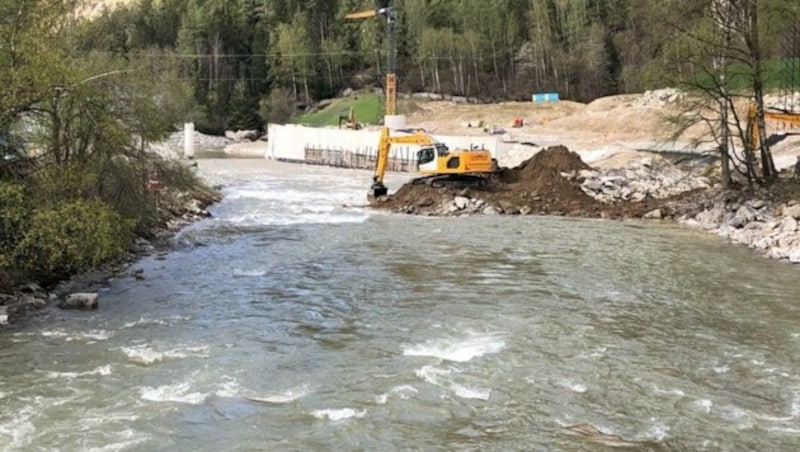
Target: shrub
(13,210)
(72,237)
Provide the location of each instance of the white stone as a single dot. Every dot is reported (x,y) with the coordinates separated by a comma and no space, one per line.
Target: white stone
(654,214)
(80,300)
(461,202)
(788,224)
(794,256)
(792,211)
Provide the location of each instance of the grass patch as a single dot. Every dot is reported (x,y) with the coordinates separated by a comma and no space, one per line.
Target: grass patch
(777,74)
(368,109)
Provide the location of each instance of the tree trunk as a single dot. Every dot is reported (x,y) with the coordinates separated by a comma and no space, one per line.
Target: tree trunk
(724,156)
(767,164)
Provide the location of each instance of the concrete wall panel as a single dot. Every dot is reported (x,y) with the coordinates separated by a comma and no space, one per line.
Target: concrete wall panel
(343,146)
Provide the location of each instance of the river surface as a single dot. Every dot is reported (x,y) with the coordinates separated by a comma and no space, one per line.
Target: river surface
(290,321)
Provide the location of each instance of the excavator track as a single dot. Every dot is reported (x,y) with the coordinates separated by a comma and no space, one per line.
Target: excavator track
(452,181)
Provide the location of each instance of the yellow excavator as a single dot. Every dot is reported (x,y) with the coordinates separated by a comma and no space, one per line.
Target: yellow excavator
(781,116)
(349,120)
(438,165)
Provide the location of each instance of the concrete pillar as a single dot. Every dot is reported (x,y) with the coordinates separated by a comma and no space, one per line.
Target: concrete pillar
(395,122)
(188,140)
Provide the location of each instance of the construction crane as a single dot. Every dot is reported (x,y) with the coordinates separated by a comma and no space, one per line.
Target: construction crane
(438,165)
(391,63)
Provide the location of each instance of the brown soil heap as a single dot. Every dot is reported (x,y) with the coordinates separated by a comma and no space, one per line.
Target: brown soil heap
(547,183)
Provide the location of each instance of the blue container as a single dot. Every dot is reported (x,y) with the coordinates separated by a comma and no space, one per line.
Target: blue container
(545,97)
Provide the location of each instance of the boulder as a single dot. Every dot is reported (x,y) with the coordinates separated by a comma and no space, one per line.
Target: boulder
(80,300)
(461,202)
(593,185)
(746,214)
(792,211)
(794,256)
(788,224)
(5,316)
(33,301)
(490,210)
(425,202)
(33,290)
(452,208)
(654,215)
(710,219)
(509,208)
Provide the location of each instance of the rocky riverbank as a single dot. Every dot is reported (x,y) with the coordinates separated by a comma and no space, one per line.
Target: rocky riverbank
(556,181)
(176,210)
(766,221)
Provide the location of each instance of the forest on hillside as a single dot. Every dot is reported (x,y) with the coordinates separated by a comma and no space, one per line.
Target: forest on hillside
(247,60)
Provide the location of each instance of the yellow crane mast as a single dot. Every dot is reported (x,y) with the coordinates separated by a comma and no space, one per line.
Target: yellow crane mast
(438,165)
(391,63)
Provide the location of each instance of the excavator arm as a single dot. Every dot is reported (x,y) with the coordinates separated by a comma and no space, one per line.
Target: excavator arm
(362,14)
(755,135)
(385,143)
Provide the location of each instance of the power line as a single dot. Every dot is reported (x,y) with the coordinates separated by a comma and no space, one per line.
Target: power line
(279,54)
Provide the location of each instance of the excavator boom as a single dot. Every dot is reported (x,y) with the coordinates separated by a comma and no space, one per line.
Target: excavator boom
(362,14)
(385,143)
(785,117)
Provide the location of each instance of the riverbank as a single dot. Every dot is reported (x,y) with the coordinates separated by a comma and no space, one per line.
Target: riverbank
(176,209)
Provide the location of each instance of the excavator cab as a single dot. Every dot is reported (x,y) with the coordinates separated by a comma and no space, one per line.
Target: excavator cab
(429,154)
(439,160)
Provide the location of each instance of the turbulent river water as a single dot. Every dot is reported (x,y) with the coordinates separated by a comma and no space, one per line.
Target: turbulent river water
(290,321)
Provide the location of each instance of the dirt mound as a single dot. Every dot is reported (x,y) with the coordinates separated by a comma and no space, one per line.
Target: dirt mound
(539,180)
(547,183)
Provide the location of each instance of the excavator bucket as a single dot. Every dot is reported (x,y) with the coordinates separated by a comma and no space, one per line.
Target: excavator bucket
(362,14)
(376,191)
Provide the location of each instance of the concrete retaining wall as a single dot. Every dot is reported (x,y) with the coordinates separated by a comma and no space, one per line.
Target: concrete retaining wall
(357,148)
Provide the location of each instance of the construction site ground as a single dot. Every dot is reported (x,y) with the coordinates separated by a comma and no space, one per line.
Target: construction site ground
(607,132)
(540,185)
(563,138)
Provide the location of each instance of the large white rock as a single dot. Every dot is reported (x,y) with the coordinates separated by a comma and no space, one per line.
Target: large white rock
(792,211)
(788,224)
(461,202)
(85,301)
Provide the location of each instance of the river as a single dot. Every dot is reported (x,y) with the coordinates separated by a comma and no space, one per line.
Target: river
(290,321)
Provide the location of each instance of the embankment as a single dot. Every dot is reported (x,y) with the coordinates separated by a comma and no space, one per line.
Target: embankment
(556,181)
(176,209)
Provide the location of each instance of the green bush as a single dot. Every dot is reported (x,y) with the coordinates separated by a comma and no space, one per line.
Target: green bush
(13,210)
(72,237)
